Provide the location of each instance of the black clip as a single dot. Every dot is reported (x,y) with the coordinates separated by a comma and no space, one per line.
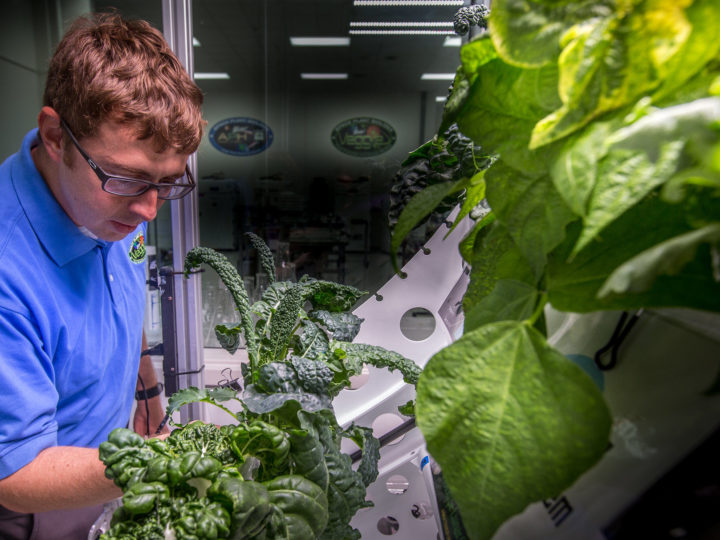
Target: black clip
(229,382)
(622,329)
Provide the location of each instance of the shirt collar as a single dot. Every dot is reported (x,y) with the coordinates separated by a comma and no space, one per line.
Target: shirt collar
(60,237)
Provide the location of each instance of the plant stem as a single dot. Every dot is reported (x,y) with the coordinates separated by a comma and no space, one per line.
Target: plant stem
(538,309)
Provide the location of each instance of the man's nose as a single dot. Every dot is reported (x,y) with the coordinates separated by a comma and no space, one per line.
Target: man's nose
(147,204)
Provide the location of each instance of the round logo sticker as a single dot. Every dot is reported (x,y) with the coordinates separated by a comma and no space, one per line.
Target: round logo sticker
(241,136)
(362,137)
(137,249)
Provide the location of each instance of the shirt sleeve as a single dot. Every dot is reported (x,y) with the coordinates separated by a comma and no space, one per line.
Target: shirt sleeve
(29,397)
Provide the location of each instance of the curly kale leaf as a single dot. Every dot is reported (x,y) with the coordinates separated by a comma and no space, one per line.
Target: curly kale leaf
(330,296)
(229,337)
(446,159)
(343,326)
(267,263)
(370,446)
(278,384)
(476,15)
(312,342)
(314,376)
(283,323)
(232,280)
(354,354)
(208,439)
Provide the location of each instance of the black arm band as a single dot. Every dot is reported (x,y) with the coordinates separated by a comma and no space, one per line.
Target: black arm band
(149,393)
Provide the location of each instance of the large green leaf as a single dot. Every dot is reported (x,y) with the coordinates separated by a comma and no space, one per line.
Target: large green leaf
(575,170)
(510,300)
(667,258)
(700,47)
(609,63)
(636,159)
(473,55)
(510,420)
(573,285)
(495,257)
(527,32)
(624,178)
(504,105)
(532,210)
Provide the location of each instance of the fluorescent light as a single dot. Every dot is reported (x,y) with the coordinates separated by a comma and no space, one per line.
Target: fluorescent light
(437,76)
(452,41)
(409,2)
(196,42)
(364,32)
(200,75)
(320,41)
(440,99)
(399,24)
(318,76)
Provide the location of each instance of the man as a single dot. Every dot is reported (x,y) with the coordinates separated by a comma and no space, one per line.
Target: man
(119,120)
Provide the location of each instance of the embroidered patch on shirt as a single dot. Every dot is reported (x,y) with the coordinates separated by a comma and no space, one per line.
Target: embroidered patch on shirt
(137,249)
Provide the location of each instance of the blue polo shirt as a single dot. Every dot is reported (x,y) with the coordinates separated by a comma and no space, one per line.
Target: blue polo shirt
(71,313)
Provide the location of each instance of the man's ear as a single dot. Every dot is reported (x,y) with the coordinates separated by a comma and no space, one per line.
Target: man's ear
(51,133)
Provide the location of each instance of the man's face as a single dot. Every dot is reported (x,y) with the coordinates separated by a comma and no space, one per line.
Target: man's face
(117,151)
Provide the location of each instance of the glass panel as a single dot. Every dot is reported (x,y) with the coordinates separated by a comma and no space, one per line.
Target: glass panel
(307,162)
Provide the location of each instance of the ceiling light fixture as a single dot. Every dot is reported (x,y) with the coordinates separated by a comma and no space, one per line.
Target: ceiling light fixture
(364,32)
(328,76)
(297,41)
(201,75)
(452,41)
(409,2)
(440,99)
(437,76)
(366,24)
(196,42)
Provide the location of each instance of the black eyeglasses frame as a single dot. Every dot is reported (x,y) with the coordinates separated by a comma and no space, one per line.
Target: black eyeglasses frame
(105,177)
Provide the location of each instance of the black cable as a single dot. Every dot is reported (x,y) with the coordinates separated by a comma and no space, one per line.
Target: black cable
(147,407)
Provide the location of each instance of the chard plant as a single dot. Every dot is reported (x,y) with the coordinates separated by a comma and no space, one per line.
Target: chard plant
(603,121)
(278,472)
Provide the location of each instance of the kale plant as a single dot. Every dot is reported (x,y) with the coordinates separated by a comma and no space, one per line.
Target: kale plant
(278,473)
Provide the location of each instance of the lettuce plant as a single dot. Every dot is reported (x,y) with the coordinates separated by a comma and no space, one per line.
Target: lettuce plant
(278,472)
(603,119)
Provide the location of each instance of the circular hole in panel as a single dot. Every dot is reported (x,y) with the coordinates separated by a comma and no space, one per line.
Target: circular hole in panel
(387,422)
(417,324)
(358,381)
(397,484)
(388,525)
(421,510)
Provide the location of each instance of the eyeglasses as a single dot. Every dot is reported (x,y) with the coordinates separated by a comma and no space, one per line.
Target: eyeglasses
(132,187)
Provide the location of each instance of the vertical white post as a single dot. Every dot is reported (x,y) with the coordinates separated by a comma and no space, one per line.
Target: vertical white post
(177,28)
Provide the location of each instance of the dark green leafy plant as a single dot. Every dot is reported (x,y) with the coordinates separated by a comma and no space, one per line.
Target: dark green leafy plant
(432,170)
(278,472)
(604,120)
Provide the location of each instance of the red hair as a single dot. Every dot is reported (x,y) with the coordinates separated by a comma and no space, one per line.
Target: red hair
(110,68)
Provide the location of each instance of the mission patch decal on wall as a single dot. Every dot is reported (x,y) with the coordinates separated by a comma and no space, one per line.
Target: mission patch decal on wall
(363,137)
(241,136)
